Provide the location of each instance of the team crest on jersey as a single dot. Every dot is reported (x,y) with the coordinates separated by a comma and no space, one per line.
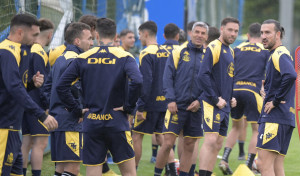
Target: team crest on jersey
(218,118)
(186,56)
(230,69)
(175,119)
(10,159)
(25,78)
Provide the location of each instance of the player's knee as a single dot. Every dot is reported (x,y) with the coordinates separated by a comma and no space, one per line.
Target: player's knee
(259,164)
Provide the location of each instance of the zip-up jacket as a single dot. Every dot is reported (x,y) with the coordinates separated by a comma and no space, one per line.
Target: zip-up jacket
(180,76)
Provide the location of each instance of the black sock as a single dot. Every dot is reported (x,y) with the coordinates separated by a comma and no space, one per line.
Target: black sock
(57,174)
(202,172)
(208,173)
(226,154)
(249,162)
(105,168)
(167,169)
(157,171)
(154,150)
(24,171)
(241,148)
(192,170)
(172,167)
(67,174)
(36,172)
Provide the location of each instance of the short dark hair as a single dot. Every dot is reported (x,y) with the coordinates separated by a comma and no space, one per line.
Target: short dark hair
(90,20)
(190,25)
(254,30)
(45,24)
(277,25)
(171,30)
(213,34)
(75,31)
(150,26)
(182,37)
(229,20)
(125,32)
(23,20)
(106,28)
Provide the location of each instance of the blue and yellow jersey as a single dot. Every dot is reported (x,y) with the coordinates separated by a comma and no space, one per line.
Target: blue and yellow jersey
(102,71)
(39,61)
(180,75)
(280,86)
(55,53)
(250,61)
(14,97)
(66,120)
(152,64)
(216,73)
(170,45)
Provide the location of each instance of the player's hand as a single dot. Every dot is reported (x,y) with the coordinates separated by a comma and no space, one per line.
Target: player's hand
(222,103)
(80,120)
(83,111)
(50,123)
(233,102)
(140,116)
(172,107)
(262,89)
(268,107)
(194,106)
(38,79)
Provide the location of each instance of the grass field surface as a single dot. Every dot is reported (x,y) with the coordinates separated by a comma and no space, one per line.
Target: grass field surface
(292,160)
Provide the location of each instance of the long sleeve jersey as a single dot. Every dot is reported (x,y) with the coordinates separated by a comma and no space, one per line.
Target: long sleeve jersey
(152,64)
(39,61)
(67,121)
(216,73)
(180,75)
(13,95)
(280,86)
(102,71)
(250,61)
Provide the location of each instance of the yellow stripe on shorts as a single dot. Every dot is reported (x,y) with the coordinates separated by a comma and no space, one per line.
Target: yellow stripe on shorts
(208,114)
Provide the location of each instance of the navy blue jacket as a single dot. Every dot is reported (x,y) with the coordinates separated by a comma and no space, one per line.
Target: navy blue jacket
(180,75)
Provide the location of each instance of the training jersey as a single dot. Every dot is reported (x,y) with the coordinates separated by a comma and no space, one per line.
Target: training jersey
(216,74)
(170,45)
(66,120)
(39,61)
(102,71)
(180,75)
(250,61)
(13,95)
(152,64)
(280,86)
(56,52)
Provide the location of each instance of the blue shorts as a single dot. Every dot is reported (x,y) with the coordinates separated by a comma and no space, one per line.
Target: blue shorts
(274,137)
(189,122)
(66,146)
(249,103)
(96,146)
(32,126)
(214,119)
(153,124)
(10,153)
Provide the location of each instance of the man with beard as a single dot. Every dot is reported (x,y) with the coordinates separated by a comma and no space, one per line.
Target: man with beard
(277,119)
(127,39)
(182,93)
(216,78)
